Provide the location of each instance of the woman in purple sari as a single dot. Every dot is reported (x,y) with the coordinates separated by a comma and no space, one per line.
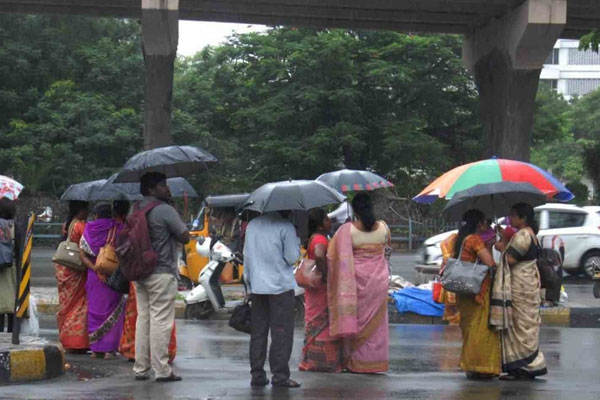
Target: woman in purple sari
(105,306)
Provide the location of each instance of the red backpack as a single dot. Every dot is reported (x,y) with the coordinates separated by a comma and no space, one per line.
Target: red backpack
(137,258)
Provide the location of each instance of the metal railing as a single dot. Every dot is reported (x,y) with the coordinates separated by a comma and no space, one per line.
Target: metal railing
(415,232)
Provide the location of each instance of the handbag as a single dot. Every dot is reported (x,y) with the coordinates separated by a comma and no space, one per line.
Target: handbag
(241,318)
(548,261)
(107,262)
(67,254)
(117,282)
(307,275)
(463,277)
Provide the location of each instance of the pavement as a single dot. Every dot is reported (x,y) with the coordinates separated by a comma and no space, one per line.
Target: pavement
(213,360)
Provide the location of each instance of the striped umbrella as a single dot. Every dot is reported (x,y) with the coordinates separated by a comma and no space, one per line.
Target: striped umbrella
(349,180)
(9,188)
(491,171)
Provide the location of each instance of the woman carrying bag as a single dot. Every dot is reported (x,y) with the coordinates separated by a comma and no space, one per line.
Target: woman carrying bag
(72,312)
(480,357)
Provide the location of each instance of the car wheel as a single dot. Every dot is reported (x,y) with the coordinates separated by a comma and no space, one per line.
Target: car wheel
(590,260)
(198,310)
(299,309)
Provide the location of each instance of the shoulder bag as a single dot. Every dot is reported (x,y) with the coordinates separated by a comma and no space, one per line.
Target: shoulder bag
(463,277)
(548,261)
(241,317)
(307,274)
(67,253)
(107,262)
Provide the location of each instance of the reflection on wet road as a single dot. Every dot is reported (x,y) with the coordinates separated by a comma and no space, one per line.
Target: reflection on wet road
(213,359)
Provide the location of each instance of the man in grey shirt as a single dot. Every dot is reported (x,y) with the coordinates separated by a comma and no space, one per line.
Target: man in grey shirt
(270,252)
(156,293)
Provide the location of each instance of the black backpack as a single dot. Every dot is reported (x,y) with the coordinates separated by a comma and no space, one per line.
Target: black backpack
(548,262)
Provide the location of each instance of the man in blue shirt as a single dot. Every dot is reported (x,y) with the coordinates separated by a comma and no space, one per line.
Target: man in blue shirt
(270,251)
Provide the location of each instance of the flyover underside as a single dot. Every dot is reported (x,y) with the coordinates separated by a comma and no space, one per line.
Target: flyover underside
(434,16)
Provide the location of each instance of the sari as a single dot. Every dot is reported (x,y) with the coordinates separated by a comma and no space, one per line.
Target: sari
(127,344)
(357,284)
(481,351)
(516,303)
(321,352)
(106,307)
(71,317)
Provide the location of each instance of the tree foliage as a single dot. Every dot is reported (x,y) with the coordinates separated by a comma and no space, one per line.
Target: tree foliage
(285,103)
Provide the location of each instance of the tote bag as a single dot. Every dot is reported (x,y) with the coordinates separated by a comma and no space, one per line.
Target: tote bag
(463,277)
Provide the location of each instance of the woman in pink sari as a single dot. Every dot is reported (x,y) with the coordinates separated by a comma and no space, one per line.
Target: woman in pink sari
(106,307)
(357,284)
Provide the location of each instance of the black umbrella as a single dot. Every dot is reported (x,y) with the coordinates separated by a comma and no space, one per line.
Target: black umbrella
(493,199)
(178,186)
(173,161)
(349,180)
(94,191)
(292,195)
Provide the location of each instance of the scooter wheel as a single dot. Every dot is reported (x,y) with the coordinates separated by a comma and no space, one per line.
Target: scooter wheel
(597,289)
(198,310)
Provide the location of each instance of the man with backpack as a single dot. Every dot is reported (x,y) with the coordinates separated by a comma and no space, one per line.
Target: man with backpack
(156,289)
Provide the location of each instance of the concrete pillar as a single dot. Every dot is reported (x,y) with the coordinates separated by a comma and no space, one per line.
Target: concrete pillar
(160,35)
(506,58)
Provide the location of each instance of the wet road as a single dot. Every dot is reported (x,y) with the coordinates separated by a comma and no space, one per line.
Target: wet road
(213,360)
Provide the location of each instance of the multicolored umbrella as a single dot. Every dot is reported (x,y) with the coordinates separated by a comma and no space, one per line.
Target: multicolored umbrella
(349,180)
(10,188)
(490,171)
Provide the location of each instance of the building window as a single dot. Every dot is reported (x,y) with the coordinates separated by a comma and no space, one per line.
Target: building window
(552,57)
(552,83)
(580,87)
(587,57)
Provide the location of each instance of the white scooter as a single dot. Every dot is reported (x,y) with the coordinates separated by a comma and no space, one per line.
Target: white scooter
(207,297)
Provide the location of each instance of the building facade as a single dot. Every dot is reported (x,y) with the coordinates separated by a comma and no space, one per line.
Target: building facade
(572,72)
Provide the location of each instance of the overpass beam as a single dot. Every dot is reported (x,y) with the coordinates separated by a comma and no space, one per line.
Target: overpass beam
(506,58)
(160,35)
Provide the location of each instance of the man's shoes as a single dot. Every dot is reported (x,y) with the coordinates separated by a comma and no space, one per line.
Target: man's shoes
(170,378)
(259,382)
(142,377)
(290,383)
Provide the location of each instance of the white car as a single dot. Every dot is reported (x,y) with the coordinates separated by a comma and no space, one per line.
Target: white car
(578,227)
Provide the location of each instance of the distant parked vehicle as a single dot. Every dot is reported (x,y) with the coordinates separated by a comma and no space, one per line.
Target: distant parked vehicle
(578,227)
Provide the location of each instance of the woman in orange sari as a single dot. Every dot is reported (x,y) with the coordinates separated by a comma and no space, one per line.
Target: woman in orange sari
(480,357)
(72,312)
(127,343)
(357,285)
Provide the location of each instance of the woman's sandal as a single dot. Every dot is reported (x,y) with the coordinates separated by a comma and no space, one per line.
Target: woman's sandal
(109,356)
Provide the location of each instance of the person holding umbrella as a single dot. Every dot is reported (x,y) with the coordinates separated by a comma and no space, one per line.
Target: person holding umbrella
(357,284)
(270,251)
(480,357)
(72,302)
(516,299)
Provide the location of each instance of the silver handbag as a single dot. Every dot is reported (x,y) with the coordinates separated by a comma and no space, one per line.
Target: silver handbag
(463,277)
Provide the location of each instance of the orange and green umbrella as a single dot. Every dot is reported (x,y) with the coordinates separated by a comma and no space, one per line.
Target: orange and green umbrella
(492,171)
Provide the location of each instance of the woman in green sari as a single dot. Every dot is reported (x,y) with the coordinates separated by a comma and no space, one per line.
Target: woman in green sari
(516,300)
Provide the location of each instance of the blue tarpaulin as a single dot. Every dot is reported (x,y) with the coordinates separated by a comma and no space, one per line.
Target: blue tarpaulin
(418,301)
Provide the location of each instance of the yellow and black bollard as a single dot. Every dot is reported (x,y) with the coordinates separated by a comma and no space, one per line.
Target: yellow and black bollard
(23,276)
